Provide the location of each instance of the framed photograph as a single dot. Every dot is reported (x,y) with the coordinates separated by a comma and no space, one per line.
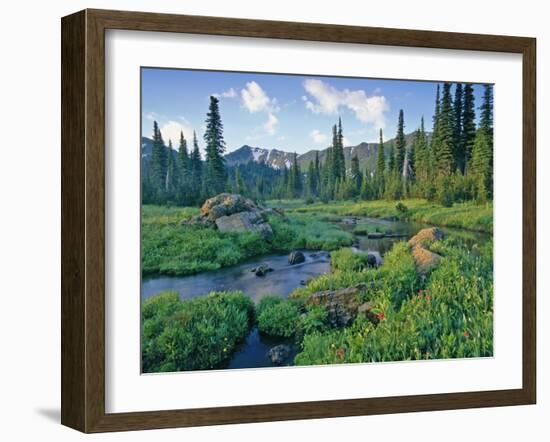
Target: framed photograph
(267,220)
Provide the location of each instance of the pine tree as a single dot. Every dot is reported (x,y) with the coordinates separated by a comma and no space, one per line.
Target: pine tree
(311,180)
(216,175)
(400,143)
(184,169)
(380,166)
(445,151)
(239,183)
(296,178)
(486,119)
(468,124)
(356,177)
(486,116)
(436,119)
(196,186)
(481,165)
(158,162)
(171,170)
(391,161)
(317,173)
(459,156)
(340,151)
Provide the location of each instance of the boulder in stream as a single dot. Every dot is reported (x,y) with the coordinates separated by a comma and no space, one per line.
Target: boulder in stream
(296,257)
(279,354)
(262,269)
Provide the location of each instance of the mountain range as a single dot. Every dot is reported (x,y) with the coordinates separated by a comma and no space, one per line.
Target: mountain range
(277,159)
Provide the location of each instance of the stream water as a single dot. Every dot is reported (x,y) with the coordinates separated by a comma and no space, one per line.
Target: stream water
(284,278)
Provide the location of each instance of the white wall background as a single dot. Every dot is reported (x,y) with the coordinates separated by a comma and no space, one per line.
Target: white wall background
(30,217)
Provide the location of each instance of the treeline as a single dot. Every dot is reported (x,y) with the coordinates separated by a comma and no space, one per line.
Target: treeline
(453,163)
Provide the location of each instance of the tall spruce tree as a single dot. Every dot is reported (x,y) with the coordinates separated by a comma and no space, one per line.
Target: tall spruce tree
(444,152)
(468,124)
(216,174)
(486,117)
(400,143)
(171,180)
(380,167)
(340,151)
(356,176)
(481,165)
(391,160)
(158,164)
(239,183)
(459,156)
(196,185)
(311,180)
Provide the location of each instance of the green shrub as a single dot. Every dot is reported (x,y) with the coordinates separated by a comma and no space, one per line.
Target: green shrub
(278,318)
(314,320)
(348,260)
(193,334)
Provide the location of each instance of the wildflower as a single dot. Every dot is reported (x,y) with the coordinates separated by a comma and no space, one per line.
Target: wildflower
(466,334)
(381,316)
(340,352)
(332,346)
(225,349)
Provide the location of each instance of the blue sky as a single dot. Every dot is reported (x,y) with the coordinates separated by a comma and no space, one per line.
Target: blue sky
(294,113)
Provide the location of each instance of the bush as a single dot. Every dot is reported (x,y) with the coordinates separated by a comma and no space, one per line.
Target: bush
(193,334)
(278,318)
(402,209)
(315,320)
(348,260)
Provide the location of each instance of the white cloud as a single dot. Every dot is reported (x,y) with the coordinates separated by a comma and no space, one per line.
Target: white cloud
(318,137)
(270,124)
(229,93)
(327,99)
(151,116)
(256,100)
(171,131)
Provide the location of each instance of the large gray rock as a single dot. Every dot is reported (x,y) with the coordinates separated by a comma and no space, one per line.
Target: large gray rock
(296,257)
(245,221)
(342,305)
(279,354)
(226,204)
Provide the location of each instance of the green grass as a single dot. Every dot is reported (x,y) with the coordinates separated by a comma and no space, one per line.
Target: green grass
(172,248)
(193,334)
(466,215)
(450,315)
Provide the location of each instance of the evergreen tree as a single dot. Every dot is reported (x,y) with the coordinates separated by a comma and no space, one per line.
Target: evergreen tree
(380,166)
(196,185)
(296,186)
(311,180)
(445,151)
(391,161)
(239,183)
(216,175)
(158,162)
(481,165)
(400,143)
(486,118)
(459,156)
(468,124)
(184,169)
(171,180)
(340,151)
(436,119)
(356,177)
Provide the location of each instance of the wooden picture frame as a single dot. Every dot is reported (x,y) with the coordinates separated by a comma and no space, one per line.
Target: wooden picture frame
(83,220)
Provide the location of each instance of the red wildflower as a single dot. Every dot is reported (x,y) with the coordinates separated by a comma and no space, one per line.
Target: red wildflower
(340,352)
(381,316)
(466,334)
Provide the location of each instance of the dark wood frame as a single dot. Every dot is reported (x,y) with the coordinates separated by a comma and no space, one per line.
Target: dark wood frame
(83,217)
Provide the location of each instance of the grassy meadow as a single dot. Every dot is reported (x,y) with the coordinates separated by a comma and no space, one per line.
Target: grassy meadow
(446,313)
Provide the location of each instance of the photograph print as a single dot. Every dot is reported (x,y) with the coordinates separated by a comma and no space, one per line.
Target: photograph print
(303,220)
